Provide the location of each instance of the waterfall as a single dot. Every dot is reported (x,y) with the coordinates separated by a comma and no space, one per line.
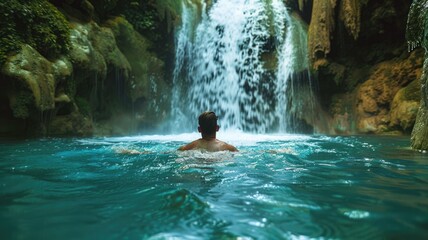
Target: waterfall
(295,88)
(240,59)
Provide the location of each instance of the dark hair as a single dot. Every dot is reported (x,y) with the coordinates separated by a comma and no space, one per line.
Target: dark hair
(208,122)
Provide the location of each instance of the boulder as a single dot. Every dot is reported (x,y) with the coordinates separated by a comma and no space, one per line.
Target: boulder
(375,96)
(404,107)
(74,124)
(104,41)
(420,130)
(82,54)
(34,78)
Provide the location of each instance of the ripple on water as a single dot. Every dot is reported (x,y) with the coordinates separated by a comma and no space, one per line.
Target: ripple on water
(184,201)
(173,236)
(289,188)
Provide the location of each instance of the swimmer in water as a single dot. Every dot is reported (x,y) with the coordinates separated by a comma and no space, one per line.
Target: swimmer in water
(208,128)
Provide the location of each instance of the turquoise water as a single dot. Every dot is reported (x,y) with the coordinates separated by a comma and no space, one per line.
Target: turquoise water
(276,187)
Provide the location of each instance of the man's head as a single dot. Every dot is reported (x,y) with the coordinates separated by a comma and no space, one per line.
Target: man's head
(208,123)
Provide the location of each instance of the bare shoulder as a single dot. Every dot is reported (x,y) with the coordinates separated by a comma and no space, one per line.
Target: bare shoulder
(228,147)
(232,148)
(190,146)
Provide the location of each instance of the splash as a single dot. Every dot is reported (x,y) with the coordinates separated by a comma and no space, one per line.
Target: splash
(244,60)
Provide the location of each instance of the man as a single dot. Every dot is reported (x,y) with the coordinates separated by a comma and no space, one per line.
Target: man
(208,128)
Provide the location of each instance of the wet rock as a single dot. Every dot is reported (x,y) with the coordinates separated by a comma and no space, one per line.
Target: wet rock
(83,55)
(62,98)
(104,42)
(350,14)
(74,124)
(404,107)
(320,30)
(33,74)
(62,68)
(31,89)
(420,130)
(334,71)
(147,83)
(375,96)
(417,35)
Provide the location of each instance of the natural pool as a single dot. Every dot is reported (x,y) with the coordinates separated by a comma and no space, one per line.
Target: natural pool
(276,187)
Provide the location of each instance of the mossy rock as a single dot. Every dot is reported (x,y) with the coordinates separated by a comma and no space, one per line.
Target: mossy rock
(147,16)
(82,53)
(103,40)
(135,47)
(34,22)
(33,73)
(147,81)
(21,103)
(74,124)
(420,131)
(412,92)
(83,106)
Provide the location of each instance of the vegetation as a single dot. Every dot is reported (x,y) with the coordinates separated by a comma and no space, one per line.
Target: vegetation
(147,16)
(34,22)
(141,22)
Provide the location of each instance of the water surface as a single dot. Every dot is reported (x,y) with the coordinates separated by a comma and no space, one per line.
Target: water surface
(276,187)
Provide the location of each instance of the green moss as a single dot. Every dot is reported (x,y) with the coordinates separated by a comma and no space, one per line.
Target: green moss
(34,22)
(147,16)
(142,19)
(70,87)
(83,105)
(22,104)
(122,30)
(413,91)
(168,9)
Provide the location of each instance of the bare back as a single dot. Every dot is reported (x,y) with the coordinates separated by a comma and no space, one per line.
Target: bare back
(212,145)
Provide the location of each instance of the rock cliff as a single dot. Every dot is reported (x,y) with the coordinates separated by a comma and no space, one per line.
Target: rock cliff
(369,81)
(417,35)
(83,70)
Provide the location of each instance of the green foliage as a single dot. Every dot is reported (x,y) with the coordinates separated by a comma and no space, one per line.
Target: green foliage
(141,16)
(34,22)
(167,7)
(147,15)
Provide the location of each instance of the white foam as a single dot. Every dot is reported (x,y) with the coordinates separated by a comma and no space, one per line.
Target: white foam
(234,137)
(221,57)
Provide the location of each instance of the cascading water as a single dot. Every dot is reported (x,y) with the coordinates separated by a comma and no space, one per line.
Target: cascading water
(295,87)
(240,59)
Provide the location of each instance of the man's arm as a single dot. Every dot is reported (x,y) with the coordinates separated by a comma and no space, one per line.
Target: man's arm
(231,148)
